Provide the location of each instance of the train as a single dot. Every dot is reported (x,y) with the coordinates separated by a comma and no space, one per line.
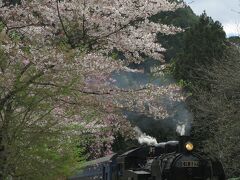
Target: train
(172,160)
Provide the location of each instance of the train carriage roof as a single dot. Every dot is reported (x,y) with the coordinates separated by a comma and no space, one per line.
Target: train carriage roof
(140,151)
(100,160)
(131,151)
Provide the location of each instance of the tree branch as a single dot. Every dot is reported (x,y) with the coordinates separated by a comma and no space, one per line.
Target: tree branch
(61,21)
(26,25)
(83,23)
(13,92)
(93,41)
(109,92)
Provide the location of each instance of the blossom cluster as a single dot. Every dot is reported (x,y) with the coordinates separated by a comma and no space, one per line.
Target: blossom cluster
(65,48)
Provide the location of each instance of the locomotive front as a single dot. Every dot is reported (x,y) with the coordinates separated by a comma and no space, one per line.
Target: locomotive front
(186,164)
(172,160)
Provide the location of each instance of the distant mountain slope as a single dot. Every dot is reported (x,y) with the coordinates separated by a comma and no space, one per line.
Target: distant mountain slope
(235,40)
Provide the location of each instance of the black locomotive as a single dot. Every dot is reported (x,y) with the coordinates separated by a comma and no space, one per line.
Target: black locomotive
(173,160)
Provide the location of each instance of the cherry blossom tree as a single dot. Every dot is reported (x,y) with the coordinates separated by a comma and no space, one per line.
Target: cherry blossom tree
(55,72)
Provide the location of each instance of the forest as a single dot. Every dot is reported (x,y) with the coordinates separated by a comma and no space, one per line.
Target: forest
(81,79)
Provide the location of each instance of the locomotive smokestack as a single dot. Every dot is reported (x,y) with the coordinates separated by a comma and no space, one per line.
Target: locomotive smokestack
(151,151)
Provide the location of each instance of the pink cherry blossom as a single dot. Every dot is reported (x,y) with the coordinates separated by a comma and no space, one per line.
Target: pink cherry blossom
(66,49)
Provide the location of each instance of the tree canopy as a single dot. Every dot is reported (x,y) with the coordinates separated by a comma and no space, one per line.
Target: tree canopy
(208,68)
(57,97)
(203,42)
(216,110)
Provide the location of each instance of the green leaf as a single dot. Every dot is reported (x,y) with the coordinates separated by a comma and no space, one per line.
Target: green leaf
(15,36)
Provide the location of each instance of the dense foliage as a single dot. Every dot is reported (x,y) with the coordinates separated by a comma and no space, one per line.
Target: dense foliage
(208,68)
(203,42)
(174,43)
(182,17)
(216,110)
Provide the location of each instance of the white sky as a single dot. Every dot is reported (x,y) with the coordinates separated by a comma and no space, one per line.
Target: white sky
(225,11)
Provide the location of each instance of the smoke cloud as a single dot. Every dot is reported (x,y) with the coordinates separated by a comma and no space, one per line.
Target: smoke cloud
(181,129)
(179,120)
(145,139)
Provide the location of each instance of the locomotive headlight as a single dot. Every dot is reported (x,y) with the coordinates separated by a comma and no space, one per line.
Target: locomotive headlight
(189,146)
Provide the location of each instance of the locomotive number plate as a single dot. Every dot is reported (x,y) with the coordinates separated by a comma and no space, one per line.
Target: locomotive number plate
(190,163)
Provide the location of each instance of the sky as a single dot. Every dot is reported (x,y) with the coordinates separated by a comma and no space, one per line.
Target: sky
(225,11)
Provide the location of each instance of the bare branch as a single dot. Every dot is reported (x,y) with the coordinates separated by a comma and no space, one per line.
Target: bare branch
(108,92)
(62,24)
(27,25)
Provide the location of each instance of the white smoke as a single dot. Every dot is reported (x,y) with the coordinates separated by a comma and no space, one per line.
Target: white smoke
(181,129)
(184,118)
(126,69)
(143,138)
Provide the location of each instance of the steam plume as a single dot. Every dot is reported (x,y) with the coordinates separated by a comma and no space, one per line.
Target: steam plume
(145,139)
(181,129)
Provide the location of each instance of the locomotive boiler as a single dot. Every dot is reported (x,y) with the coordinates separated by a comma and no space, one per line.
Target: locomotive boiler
(172,160)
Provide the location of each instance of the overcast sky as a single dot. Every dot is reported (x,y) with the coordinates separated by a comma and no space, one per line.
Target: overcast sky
(225,11)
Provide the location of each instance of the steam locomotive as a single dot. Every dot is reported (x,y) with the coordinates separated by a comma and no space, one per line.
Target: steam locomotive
(172,160)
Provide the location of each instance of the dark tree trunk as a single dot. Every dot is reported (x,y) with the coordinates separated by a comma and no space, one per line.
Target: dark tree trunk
(4,139)
(2,156)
